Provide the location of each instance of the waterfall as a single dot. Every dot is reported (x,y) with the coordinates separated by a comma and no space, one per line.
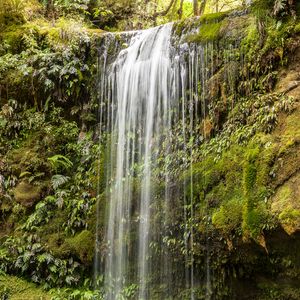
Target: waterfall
(152,102)
(140,79)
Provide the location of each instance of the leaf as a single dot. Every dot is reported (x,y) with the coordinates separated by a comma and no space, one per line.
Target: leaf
(59,180)
(23,174)
(59,161)
(69,280)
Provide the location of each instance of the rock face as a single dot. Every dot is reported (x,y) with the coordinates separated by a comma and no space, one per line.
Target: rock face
(286,204)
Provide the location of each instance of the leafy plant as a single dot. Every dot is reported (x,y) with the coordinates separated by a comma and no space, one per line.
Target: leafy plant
(86,291)
(11,11)
(59,161)
(59,180)
(29,257)
(44,210)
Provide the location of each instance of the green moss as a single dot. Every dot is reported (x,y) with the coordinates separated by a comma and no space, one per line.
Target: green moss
(56,244)
(285,193)
(285,204)
(290,216)
(64,31)
(206,174)
(207,33)
(292,127)
(12,37)
(256,216)
(250,171)
(82,245)
(27,194)
(210,27)
(250,214)
(14,288)
(256,220)
(29,157)
(297,28)
(213,17)
(228,218)
(98,174)
(235,187)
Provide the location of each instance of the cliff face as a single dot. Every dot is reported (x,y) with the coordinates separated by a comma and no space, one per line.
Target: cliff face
(245,172)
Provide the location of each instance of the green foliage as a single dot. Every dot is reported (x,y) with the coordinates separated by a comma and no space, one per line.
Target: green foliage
(250,171)
(59,161)
(11,11)
(86,291)
(49,64)
(110,13)
(228,218)
(28,257)
(249,116)
(44,210)
(79,212)
(75,6)
(66,203)
(59,180)
(209,27)
(46,68)
(256,217)
(262,8)
(130,291)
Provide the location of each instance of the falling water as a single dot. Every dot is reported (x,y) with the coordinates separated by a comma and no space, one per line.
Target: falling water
(152,112)
(140,79)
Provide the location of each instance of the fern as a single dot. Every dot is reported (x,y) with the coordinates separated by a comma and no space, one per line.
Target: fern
(59,161)
(279,6)
(59,180)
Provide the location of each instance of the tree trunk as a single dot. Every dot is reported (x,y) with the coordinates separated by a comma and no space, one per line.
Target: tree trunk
(196,7)
(202,7)
(180,10)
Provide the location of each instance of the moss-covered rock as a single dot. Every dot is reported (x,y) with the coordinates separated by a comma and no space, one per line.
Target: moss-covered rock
(56,244)
(61,245)
(26,193)
(82,245)
(207,33)
(286,204)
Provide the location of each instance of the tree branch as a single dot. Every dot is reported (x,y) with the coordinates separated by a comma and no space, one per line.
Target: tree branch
(164,12)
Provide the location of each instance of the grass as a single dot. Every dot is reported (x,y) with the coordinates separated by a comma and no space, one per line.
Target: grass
(18,289)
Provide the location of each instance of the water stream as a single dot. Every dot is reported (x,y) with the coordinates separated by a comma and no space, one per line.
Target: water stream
(152,100)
